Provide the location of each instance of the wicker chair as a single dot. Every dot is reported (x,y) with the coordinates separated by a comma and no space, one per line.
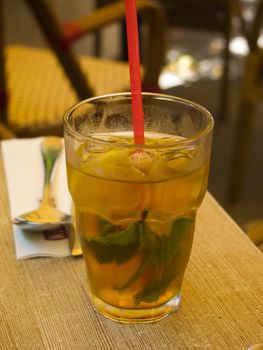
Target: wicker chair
(42,83)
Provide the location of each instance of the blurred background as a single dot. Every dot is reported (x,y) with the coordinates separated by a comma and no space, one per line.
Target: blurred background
(212,55)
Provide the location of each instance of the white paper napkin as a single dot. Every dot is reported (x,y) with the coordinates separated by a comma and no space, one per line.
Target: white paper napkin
(24,172)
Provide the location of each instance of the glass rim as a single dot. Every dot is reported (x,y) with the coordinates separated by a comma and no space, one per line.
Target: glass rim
(174,144)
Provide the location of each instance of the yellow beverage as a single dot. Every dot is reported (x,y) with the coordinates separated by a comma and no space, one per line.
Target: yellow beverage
(135,213)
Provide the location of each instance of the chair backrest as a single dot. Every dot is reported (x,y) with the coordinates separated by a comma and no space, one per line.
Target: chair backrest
(60,38)
(3,90)
(57,40)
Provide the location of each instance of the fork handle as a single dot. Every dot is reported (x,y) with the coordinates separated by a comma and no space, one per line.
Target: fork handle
(50,149)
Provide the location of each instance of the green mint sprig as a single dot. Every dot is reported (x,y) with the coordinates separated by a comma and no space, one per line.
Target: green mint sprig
(159,253)
(119,245)
(114,243)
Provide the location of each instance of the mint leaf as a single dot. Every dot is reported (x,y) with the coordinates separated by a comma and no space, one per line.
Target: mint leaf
(152,291)
(172,242)
(115,244)
(150,295)
(137,274)
(120,238)
(110,253)
(118,246)
(148,243)
(148,238)
(107,227)
(162,250)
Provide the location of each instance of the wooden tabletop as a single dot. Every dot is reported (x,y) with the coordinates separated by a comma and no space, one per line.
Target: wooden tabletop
(44,302)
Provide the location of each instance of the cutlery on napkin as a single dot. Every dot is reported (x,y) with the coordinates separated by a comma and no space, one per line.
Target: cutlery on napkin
(24,172)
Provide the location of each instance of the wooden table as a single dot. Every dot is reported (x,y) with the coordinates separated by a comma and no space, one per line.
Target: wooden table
(44,302)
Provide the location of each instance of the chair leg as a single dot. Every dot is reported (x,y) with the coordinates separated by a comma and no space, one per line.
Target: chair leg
(50,26)
(240,152)
(5,132)
(3,84)
(225,81)
(224,87)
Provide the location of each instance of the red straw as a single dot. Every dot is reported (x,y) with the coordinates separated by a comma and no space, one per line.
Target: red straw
(135,73)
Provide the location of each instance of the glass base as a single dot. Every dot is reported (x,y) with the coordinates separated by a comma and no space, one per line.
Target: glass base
(137,315)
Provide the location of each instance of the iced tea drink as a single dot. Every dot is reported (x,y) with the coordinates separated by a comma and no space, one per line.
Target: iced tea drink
(136,204)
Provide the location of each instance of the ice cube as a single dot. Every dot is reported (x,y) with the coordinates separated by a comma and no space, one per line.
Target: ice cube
(142,161)
(87,151)
(187,152)
(184,160)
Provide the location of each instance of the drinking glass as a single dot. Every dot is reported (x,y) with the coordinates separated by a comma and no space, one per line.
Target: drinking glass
(136,203)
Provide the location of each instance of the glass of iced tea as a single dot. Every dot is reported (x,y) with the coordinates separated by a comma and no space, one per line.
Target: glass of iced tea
(136,203)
